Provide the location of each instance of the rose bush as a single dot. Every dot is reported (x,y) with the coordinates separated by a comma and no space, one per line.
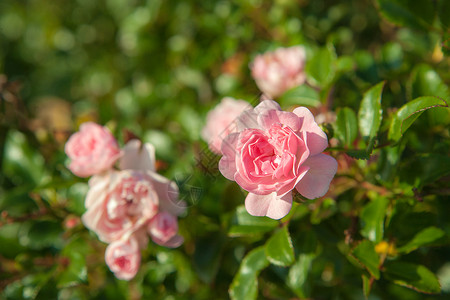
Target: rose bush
(274,152)
(276,72)
(92,150)
(220,122)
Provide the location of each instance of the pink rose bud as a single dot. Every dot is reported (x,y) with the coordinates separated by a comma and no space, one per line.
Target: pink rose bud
(273,153)
(163,229)
(120,203)
(92,150)
(278,71)
(123,258)
(220,121)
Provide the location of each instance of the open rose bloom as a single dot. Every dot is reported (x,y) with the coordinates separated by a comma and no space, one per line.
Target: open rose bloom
(221,121)
(92,150)
(278,71)
(274,152)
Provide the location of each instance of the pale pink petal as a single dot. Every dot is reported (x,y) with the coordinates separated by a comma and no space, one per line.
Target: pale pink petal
(270,205)
(317,140)
(271,117)
(227,164)
(247,119)
(137,156)
(267,105)
(98,186)
(174,242)
(316,182)
(167,191)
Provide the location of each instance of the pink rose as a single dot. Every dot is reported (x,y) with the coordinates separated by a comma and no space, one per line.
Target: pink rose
(120,203)
(123,202)
(163,229)
(123,258)
(276,72)
(273,153)
(92,150)
(220,121)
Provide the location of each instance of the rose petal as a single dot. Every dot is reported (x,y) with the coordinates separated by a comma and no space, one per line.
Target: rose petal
(317,181)
(98,185)
(317,140)
(270,205)
(227,164)
(137,156)
(174,242)
(272,117)
(267,105)
(167,191)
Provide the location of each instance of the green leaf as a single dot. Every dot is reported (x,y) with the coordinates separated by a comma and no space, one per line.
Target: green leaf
(245,283)
(301,95)
(8,239)
(416,277)
(370,112)
(426,82)
(347,127)
(321,67)
(365,253)
(279,249)
(76,271)
(427,237)
(415,14)
(409,112)
(372,219)
(244,224)
(298,275)
(366,286)
(22,163)
(359,154)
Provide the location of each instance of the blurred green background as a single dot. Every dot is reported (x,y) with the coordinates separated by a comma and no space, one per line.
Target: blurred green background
(155,68)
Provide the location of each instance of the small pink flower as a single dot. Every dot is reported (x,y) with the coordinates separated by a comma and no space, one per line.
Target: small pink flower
(163,229)
(92,150)
(220,121)
(276,72)
(123,258)
(273,153)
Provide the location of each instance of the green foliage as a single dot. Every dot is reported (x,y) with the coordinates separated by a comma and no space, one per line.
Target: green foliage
(376,78)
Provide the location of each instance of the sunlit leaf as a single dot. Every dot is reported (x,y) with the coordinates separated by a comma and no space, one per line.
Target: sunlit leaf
(372,219)
(245,283)
(279,248)
(409,112)
(302,95)
(365,253)
(245,224)
(370,112)
(427,237)
(347,126)
(321,66)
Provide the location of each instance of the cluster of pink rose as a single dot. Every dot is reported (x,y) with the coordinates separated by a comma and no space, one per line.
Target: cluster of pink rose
(267,151)
(127,204)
